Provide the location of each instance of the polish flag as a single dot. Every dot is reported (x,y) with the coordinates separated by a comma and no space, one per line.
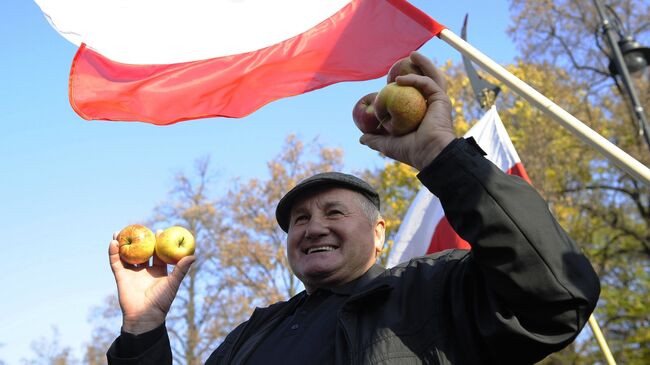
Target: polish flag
(425,228)
(163,62)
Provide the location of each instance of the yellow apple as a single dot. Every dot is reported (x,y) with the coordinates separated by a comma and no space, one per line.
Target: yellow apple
(136,244)
(173,244)
(400,108)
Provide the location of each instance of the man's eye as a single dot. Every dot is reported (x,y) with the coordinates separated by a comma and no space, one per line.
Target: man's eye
(334,212)
(300,218)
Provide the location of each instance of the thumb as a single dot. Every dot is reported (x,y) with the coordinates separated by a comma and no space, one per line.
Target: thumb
(389,146)
(181,269)
(374,141)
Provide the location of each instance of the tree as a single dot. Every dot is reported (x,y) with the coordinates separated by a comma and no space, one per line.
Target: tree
(200,314)
(397,185)
(49,351)
(255,254)
(606,211)
(241,259)
(106,319)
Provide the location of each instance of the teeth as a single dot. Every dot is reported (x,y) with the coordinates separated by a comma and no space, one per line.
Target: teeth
(320,249)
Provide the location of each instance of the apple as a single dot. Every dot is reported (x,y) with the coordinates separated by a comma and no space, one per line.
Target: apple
(173,244)
(403,67)
(136,244)
(364,116)
(400,108)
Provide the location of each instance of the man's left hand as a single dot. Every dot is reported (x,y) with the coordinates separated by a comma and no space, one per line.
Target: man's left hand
(421,146)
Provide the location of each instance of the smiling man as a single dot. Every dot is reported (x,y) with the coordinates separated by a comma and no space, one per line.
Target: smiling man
(335,230)
(524,290)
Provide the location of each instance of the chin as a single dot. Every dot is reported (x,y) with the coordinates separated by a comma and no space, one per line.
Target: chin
(320,274)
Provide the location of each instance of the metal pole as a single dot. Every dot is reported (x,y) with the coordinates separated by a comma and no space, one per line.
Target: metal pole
(619,157)
(595,329)
(621,67)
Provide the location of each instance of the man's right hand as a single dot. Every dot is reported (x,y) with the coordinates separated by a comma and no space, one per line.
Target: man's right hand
(145,292)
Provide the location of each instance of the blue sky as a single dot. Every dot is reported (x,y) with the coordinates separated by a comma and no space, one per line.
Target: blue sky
(68,184)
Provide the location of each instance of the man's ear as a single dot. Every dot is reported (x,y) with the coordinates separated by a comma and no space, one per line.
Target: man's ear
(380,235)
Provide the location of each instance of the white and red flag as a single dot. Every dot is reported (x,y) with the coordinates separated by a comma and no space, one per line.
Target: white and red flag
(163,62)
(425,228)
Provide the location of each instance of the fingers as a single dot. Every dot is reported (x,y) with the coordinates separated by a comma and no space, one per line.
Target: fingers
(421,146)
(429,69)
(186,262)
(390,146)
(159,266)
(114,256)
(180,270)
(438,102)
(428,87)
(374,141)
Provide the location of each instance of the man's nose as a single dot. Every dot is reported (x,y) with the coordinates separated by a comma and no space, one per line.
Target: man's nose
(316,227)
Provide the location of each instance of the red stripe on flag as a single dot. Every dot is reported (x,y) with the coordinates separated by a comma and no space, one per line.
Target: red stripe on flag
(425,222)
(518,169)
(444,237)
(359,42)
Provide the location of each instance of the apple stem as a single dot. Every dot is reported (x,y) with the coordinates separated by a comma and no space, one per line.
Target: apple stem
(381,122)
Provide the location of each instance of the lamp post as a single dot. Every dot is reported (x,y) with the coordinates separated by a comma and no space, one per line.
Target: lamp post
(627,56)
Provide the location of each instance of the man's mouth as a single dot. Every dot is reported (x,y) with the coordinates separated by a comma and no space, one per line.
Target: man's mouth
(320,249)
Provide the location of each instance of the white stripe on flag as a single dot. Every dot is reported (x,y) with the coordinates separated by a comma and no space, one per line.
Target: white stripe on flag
(425,213)
(164,32)
(163,63)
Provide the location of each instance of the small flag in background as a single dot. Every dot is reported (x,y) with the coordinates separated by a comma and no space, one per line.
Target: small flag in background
(424,228)
(163,62)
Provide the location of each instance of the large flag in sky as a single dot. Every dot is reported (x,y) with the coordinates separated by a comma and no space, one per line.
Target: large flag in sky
(424,228)
(167,61)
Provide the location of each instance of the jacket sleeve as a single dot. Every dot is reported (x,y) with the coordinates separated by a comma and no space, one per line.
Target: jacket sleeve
(525,289)
(150,348)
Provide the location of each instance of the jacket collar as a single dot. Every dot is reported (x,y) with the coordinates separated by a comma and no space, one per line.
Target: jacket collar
(359,290)
(366,279)
(359,283)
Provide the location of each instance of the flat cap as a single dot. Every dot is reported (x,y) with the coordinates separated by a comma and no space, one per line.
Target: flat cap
(325,179)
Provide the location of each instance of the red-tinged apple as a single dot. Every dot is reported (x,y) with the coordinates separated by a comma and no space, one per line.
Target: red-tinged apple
(136,244)
(402,67)
(173,244)
(364,116)
(400,108)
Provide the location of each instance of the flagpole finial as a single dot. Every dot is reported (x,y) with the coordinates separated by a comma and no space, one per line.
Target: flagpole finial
(484,91)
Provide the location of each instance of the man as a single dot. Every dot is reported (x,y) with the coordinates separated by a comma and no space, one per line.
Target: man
(522,292)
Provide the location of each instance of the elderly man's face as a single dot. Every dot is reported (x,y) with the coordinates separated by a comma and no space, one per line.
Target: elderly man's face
(331,239)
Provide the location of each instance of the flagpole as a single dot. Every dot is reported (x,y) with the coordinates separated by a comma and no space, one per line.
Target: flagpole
(573,124)
(595,329)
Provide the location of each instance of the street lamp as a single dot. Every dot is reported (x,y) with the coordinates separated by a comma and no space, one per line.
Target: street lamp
(628,56)
(636,57)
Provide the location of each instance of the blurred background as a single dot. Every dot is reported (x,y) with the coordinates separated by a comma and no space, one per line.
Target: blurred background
(68,184)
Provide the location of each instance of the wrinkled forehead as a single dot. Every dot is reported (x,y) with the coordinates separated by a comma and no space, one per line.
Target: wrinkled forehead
(322,197)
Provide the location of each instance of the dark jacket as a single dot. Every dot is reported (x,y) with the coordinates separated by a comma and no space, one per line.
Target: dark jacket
(522,292)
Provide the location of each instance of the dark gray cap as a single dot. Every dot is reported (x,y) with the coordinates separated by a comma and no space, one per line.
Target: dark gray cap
(326,179)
